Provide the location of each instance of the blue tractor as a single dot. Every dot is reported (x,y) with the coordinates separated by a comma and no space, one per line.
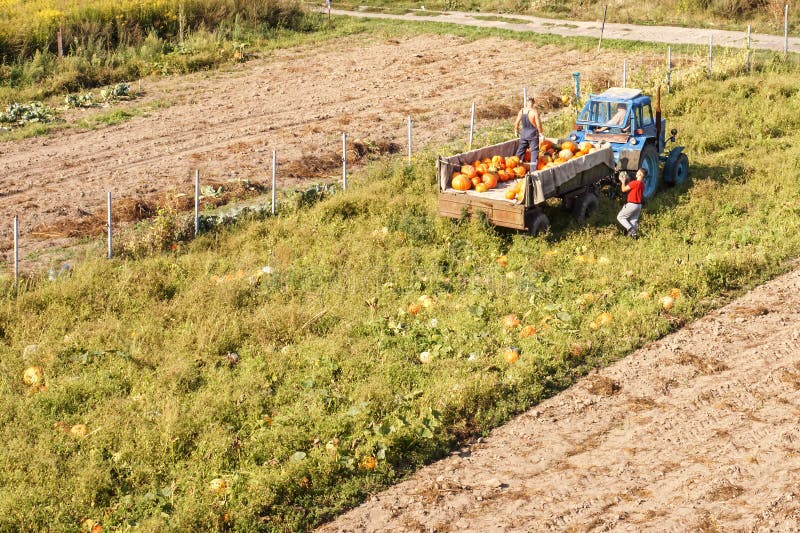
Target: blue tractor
(626,120)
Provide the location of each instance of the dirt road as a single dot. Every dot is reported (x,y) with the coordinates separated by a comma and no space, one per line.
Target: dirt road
(578,28)
(297,101)
(695,432)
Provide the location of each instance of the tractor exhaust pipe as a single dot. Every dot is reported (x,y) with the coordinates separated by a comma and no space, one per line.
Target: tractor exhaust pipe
(658,120)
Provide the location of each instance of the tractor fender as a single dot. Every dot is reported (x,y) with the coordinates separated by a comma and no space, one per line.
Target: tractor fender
(629,159)
(672,157)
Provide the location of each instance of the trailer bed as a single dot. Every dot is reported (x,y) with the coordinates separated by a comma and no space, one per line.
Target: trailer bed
(563,180)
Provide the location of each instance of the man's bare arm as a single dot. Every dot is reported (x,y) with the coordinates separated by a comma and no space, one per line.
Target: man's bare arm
(537,121)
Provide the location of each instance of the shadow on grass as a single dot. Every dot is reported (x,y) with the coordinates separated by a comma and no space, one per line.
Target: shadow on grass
(611,200)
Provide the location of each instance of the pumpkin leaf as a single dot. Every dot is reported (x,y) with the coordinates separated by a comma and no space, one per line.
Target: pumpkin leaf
(476,311)
(357,409)
(298,456)
(564,317)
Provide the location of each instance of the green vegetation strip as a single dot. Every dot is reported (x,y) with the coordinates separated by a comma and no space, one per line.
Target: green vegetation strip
(198,390)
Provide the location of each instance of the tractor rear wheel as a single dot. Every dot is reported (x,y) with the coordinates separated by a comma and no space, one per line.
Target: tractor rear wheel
(648,160)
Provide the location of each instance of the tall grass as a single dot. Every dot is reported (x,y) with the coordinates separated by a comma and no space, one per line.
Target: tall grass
(107,42)
(27,27)
(327,375)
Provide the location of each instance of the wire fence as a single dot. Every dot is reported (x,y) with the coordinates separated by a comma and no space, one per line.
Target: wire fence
(720,61)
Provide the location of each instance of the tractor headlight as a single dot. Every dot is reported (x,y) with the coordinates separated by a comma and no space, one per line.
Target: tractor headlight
(633,140)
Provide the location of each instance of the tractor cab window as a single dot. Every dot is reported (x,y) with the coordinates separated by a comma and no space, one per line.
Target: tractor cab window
(605,115)
(596,112)
(644,116)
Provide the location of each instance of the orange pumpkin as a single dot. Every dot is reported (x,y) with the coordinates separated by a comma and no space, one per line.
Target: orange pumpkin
(490,180)
(511,193)
(482,169)
(469,171)
(476,181)
(498,160)
(584,146)
(461,182)
(541,165)
(510,355)
(502,175)
(511,163)
(545,145)
(566,154)
(520,171)
(527,156)
(510,321)
(481,187)
(569,145)
(486,161)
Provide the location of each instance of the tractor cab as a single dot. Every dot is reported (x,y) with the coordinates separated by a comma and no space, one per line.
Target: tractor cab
(625,119)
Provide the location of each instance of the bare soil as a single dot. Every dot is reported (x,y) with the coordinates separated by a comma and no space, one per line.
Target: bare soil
(298,101)
(695,432)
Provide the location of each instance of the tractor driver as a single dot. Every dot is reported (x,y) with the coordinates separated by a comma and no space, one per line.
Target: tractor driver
(617,119)
(530,121)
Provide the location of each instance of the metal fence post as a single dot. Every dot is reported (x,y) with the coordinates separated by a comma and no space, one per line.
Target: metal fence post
(577,77)
(602,27)
(274,178)
(344,161)
(196,202)
(786,29)
(110,228)
(624,73)
(410,126)
(471,125)
(669,66)
(16,249)
(710,54)
(747,55)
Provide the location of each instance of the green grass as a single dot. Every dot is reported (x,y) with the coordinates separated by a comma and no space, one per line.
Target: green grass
(329,372)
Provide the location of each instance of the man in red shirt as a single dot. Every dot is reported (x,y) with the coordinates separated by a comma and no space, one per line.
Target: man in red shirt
(629,214)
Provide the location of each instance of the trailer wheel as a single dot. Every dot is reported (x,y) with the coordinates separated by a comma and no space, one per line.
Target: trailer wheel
(649,160)
(538,224)
(584,206)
